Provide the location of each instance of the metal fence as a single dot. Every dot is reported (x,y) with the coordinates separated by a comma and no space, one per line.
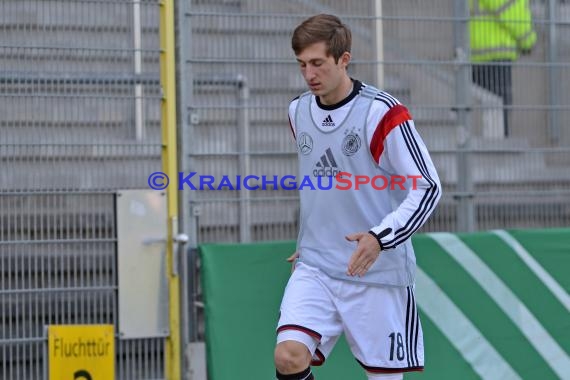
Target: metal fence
(239,74)
(79,119)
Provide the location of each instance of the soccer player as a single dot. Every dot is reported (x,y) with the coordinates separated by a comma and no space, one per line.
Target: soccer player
(354,266)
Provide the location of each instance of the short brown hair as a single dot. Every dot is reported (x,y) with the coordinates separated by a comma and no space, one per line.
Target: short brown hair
(323,28)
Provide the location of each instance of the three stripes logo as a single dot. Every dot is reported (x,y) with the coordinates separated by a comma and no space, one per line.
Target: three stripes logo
(327,166)
(328,122)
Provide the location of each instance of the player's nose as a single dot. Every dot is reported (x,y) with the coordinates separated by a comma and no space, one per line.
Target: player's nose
(310,74)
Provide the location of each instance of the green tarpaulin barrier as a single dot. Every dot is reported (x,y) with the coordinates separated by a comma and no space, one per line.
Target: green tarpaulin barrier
(493,305)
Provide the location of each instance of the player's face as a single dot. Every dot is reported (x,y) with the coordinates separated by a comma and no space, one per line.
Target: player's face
(323,75)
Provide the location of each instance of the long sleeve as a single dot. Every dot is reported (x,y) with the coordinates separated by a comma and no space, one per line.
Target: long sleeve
(403,153)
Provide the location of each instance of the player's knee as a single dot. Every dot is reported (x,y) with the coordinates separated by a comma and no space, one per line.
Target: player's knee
(291,357)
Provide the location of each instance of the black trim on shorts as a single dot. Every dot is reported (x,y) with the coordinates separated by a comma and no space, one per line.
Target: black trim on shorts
(406,327)
(412,329)
(311,333)
(389,370)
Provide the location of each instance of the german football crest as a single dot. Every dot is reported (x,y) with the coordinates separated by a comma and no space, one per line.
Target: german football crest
(351,144)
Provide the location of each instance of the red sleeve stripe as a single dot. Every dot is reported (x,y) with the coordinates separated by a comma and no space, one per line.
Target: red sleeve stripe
(394,117)
(292,130)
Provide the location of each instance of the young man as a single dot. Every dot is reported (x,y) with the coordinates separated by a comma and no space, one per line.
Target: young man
(354,267)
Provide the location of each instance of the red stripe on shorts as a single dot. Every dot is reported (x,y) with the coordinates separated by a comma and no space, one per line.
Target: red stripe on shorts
(307,331)
(320,358)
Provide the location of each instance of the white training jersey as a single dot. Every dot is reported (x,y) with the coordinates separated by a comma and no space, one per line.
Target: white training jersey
(367,135)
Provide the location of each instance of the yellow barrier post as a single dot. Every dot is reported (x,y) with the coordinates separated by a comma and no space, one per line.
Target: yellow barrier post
(169,165)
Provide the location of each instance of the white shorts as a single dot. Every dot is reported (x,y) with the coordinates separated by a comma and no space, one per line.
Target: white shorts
(381,324)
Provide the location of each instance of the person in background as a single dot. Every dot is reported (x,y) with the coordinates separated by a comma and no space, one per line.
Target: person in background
(500,30)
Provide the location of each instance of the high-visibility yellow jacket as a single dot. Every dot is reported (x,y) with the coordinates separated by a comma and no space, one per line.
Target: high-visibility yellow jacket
(500,29)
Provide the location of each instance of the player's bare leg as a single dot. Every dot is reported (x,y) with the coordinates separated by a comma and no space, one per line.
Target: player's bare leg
(293,357)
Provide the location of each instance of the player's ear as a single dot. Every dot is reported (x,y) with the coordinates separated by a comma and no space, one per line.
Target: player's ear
(344,59)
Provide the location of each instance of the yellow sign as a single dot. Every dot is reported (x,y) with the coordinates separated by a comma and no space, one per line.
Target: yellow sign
(81,352)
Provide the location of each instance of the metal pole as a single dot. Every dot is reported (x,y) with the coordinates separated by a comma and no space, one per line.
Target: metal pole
(183,132)
(137,40)
(173,353)
(244,161)
(189,220)
(187,117)
(554,83)
(465,209)
(379,41)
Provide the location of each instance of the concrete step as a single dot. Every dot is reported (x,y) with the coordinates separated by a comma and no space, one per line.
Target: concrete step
(43,35)
(228,165)
(237,46)
(25,315)
(100,172)
(60,106)
(243,24)
(21,133)
(268,212)
(63,60)
(219,78)
(29,217)
(224,138)
(57,265)
(33,12)
(65,226)
(496,162)
(78,152)
(105,36)
(75,223)
(216,6)
(78,83)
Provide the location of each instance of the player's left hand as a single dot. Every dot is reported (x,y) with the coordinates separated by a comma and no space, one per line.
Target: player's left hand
(366,253)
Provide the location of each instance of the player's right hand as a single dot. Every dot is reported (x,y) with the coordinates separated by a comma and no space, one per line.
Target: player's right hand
(292,259)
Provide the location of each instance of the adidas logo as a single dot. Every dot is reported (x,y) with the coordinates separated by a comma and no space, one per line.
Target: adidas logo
(327,166)
(328,122)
